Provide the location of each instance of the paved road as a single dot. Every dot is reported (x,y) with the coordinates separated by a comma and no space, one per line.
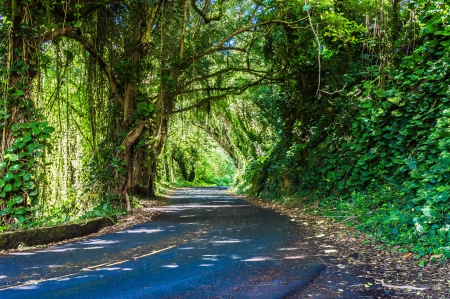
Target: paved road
(205,244)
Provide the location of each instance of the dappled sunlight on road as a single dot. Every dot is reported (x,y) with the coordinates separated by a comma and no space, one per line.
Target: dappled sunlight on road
(26,287)
(170,266)
(258,259)
(95,247)
(295,257)
(140,231)
(227,241)
(55,266)
(211,257)
(99,242)
(58,250)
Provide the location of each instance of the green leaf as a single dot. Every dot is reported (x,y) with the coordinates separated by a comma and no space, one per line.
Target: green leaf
(27,176)
(24,126)
(306,7)
(397,113)
(7,188)
(365,103)
(395,100)
(17,183)
(19,211)
(380,93)
(415,175)
(2,183)
(17,199)
(3,164)
(14,167)
(8,176)
(27,138)
(14,127)
(19,93)
(77,24)
(13,157)
(49,130)
(36,130)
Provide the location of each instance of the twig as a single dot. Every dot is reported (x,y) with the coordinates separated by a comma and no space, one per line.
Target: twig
(401,287)
(321,260)
(331,93)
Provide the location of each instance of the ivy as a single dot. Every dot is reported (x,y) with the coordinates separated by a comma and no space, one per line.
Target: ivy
(381,159)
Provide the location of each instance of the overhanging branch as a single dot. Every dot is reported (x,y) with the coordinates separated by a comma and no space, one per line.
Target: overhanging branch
(205,18)
(198,104)
(220,44)
(261,74)
(207,100)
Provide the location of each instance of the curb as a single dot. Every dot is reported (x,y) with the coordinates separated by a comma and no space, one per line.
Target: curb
(51,234)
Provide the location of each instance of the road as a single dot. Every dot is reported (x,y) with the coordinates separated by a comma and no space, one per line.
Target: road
(205,244)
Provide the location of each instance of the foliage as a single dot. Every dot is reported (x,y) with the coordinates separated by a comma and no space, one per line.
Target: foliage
(191,158)
(341,104)
(376,155)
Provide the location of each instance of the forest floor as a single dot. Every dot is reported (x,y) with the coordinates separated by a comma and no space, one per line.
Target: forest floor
(356,254)
(352,253)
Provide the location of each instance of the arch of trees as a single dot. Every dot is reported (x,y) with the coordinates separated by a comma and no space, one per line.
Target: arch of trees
(342,105)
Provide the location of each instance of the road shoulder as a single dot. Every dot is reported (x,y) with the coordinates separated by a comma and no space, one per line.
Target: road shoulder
(355,265)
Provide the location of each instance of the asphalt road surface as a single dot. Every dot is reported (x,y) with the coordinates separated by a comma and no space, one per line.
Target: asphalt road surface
(205,244)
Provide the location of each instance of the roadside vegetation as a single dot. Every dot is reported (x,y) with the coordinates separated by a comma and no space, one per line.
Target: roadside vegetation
(342,107)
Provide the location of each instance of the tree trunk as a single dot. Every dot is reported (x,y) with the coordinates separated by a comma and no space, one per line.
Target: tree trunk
(129,144)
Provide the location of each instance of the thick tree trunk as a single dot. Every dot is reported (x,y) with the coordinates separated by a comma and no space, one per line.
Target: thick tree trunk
(129,144)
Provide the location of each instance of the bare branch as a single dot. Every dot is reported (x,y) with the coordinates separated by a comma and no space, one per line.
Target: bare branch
(216,98)
(205,18)
(198,104)
(332,93)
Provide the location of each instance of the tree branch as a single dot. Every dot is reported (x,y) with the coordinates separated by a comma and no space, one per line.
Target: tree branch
(145,40)
(61,11)
(203,15)
(261,74)
(215,98)
(220,47)
(198,104)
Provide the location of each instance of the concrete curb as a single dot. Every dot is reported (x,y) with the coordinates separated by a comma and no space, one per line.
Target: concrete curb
(46,235)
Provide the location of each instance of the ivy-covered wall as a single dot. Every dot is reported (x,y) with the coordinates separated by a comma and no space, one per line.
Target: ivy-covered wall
(377,153)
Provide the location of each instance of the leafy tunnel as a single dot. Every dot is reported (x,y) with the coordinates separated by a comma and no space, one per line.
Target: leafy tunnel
(339,106)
